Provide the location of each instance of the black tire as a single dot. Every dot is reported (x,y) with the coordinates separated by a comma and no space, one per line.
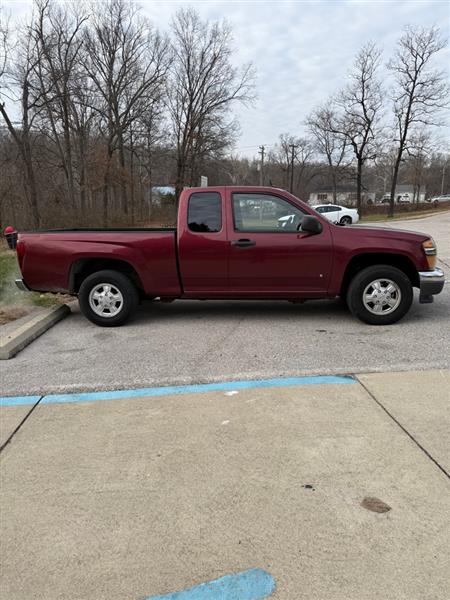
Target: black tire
(403,295)
(346,221)
(118,281)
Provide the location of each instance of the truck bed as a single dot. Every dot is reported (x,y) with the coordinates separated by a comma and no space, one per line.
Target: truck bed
(103,229)
(52,260)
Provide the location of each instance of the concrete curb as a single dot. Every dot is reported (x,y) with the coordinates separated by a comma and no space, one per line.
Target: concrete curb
(18,339)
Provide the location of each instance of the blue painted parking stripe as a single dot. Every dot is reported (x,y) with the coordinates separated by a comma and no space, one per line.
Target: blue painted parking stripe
(19,400)
(249,585)
(180,389)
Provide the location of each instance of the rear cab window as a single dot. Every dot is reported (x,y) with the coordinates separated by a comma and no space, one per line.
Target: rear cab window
(205,212)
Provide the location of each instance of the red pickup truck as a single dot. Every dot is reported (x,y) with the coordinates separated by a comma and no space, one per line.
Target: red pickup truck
(233,243)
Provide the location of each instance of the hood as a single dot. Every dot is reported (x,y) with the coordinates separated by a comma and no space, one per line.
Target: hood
(388,233)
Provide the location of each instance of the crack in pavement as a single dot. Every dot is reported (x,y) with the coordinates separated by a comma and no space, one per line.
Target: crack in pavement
(19,426)
(410,435)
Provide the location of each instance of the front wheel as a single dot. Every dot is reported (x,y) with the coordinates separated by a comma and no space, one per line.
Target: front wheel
(108,298)
(380,295)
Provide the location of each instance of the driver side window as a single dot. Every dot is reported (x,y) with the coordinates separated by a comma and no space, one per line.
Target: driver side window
(265,213)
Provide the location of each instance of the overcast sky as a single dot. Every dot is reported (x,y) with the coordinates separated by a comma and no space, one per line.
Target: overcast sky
(302,50)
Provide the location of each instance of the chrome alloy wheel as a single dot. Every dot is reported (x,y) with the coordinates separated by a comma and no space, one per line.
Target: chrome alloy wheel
(105,300)
(382,296)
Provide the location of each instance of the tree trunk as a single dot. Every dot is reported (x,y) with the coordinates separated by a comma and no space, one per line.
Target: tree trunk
(123,187)
(179,182)
(30,179)
(394,184)
(82,175)
(132,199)
(30,187)
(334,184)
(359,186)
(106,190)
(105,201)
(69,167)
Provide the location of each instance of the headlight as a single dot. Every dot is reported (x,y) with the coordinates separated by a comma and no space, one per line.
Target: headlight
(429,247)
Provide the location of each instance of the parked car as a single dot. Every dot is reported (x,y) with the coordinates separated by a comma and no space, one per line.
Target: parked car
(338,214)
(399,199)
(438,199)
(222,250)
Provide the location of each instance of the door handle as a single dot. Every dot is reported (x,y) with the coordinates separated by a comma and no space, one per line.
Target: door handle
(243,243)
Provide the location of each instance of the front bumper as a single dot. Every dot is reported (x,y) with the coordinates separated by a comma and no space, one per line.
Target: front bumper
(22,285)
(431,283)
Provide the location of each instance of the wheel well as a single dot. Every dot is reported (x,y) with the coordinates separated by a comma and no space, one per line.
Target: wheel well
(360,262)
(86,266)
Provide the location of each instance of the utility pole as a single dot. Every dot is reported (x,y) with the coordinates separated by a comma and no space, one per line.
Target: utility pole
(292,147)
(262,150)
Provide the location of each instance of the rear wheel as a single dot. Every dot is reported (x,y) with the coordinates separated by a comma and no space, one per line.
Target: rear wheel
(108,298)
(346,221)
(380,295)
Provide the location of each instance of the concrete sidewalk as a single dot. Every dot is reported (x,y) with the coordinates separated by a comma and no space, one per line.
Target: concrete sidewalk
(133,497)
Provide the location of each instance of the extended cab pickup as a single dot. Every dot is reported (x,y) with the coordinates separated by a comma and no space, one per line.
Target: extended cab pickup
(233,243)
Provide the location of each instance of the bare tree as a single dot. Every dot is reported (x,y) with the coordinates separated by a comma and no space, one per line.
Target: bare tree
(19,87)
(293,156)
(147,135)
(322,123)
(57,31)
(128,61)
(419,151)
(420,93)
(202,88)
(361,103)
(4,42)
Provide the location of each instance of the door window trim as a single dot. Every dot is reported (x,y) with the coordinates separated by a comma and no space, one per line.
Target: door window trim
(281,230)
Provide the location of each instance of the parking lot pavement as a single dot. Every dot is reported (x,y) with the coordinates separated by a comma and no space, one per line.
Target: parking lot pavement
(420,401)
(133,497)
(191,341)
(12,417)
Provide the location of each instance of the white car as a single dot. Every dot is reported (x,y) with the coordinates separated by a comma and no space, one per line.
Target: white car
(437,199)
(338,214)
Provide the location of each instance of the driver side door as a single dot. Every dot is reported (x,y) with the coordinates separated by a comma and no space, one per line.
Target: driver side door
(269,255)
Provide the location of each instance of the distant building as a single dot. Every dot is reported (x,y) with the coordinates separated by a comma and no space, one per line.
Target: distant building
(161,193)
(344,195)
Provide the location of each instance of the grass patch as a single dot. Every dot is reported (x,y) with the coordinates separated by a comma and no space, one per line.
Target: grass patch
(8,266)
(44,300)
(9,270)
(403,216)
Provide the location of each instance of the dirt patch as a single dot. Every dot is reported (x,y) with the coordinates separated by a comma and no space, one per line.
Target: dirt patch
(11,313)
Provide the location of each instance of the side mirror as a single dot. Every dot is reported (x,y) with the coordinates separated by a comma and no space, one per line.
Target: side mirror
(311,225)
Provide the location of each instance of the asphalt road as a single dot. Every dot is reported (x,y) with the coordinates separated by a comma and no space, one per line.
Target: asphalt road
(193,342)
